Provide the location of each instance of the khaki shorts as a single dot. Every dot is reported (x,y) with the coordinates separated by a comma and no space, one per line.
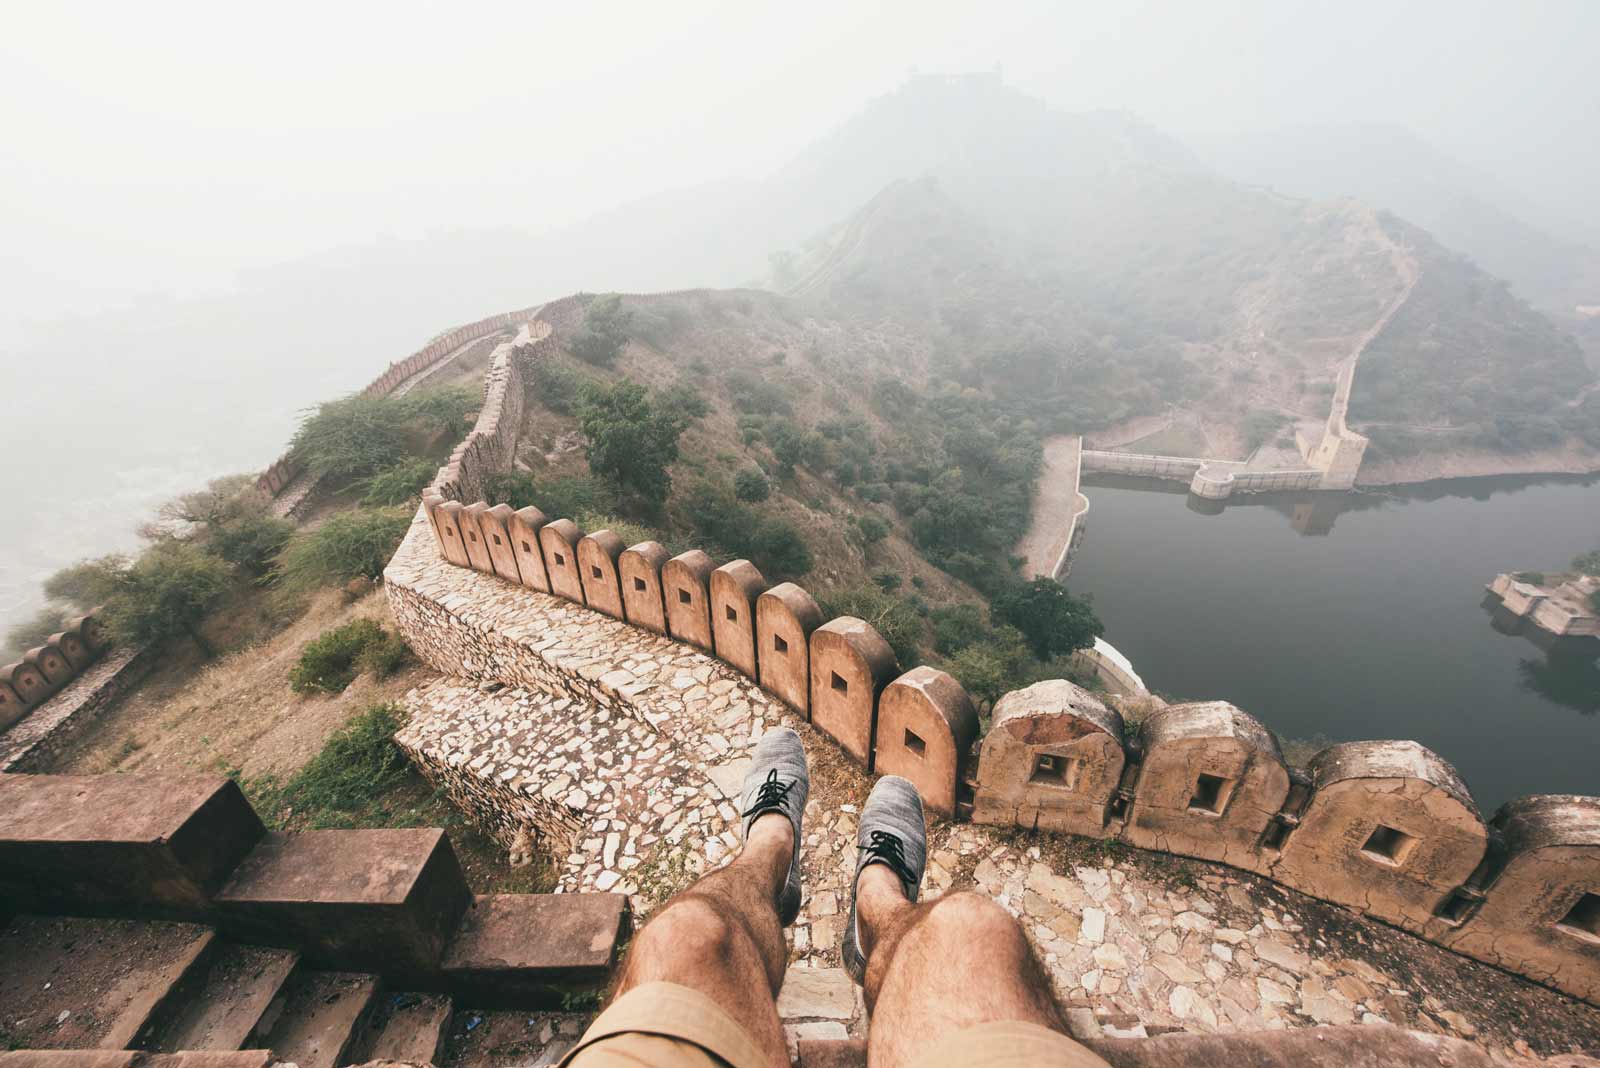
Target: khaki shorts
(664,1025)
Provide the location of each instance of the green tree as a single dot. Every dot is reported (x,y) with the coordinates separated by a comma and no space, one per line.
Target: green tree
(631,440)
(443,409)
(558,386)
(251,542)
(873,528)
(604,332)
(347,545)
(167,592)
(86,583)
(779,550)
(400,483)
(352,437)
(751,486)
(990,669)
(892,617)
(1051,619)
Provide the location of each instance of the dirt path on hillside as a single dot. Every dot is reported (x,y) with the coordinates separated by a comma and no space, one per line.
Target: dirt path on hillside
(1056,501)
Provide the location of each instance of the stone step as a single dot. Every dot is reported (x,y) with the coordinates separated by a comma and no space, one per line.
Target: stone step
(318,1017)
(495,1039)
(76,983)
(831,1053)
(132,1058)
(220,1008)
(409,1028)
(527,950)
(382,900)
(157,845)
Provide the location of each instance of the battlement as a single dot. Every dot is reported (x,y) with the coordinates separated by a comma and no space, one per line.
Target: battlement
(1386,828)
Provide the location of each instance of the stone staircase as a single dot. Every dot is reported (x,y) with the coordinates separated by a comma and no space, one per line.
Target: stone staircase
(152,919)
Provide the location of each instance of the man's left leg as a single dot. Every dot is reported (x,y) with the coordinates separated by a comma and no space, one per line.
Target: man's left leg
(704,973)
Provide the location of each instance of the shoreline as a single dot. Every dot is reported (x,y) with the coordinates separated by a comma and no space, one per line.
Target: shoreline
(1438,467)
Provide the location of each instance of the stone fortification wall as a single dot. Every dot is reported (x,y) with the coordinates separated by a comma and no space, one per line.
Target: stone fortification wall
(33,744)
(1386,828)
(286,469)
(1211,479)
(43,672)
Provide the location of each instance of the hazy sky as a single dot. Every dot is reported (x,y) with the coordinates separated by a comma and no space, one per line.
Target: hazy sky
(165,145)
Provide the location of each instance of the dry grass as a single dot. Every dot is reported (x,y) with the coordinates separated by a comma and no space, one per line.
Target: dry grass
(235,711)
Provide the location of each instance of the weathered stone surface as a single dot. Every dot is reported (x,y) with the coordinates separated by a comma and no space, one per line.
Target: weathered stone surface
(1211,781)
(559,540)
(1541,914)
(91,842)
(785,617)
(639,568)
(850,663)
(448,517)
(597,565)
(1389,830)
(494,524)
(926,728)
(734,589)
(1052,760)
(31,743)
(686,589)
(512,949)
(477,543)
(385,900)
(525,525)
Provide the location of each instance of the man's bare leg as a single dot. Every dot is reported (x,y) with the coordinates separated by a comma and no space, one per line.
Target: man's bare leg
(722,937)
(937,968)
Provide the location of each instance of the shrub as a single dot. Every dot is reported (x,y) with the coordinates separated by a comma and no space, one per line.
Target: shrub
(632,440)
(873,528)
(604,332)
(1052,620)
(165,593)
(347,545)
(86,583)
(892,617)
(1588,563)
(751,486)
(1534,577)
(558,386)
(398,484)
(385,655)
(327,664)
(250,542)
(359,764)
(886,580)
(957,626)
(352,437)
(777,548)
(443,409)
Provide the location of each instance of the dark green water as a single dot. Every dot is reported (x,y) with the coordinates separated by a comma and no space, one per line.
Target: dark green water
(1350,616)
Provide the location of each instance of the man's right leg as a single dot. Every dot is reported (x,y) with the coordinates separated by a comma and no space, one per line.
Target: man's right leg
(936,970)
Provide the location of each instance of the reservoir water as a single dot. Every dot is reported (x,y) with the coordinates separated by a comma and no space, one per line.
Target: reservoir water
(1335,617)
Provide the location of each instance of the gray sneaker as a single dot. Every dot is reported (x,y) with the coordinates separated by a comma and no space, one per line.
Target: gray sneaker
(779,782)
(893,833)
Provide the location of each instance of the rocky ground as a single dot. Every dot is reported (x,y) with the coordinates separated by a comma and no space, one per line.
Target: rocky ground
(1137,942)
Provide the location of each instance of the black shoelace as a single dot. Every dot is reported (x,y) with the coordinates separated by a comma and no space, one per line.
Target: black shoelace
(887,848)
(770,796)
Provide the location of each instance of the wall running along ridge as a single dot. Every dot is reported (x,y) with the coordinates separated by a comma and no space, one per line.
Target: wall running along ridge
(45,671)
(1384,827)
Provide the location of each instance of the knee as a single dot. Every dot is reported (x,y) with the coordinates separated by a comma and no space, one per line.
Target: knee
(690,927)
(968,920)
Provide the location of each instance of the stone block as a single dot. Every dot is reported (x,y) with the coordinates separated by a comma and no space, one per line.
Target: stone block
(850,663)
(1540,916)
(559,540)
(1052,759)
(449,517)
(525,525)
(72,648)
(92,631)
(639,570)
(1390,830)
(26,682)
(785,617)
(383,900)
(926,727)
(477,545)
(686,590)
(1375,1045)
(734,589)
(142,844)
(518,950)
(12,707)
(1211,780)
(495,525)
(51,664)
(430,504)
(597,567)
